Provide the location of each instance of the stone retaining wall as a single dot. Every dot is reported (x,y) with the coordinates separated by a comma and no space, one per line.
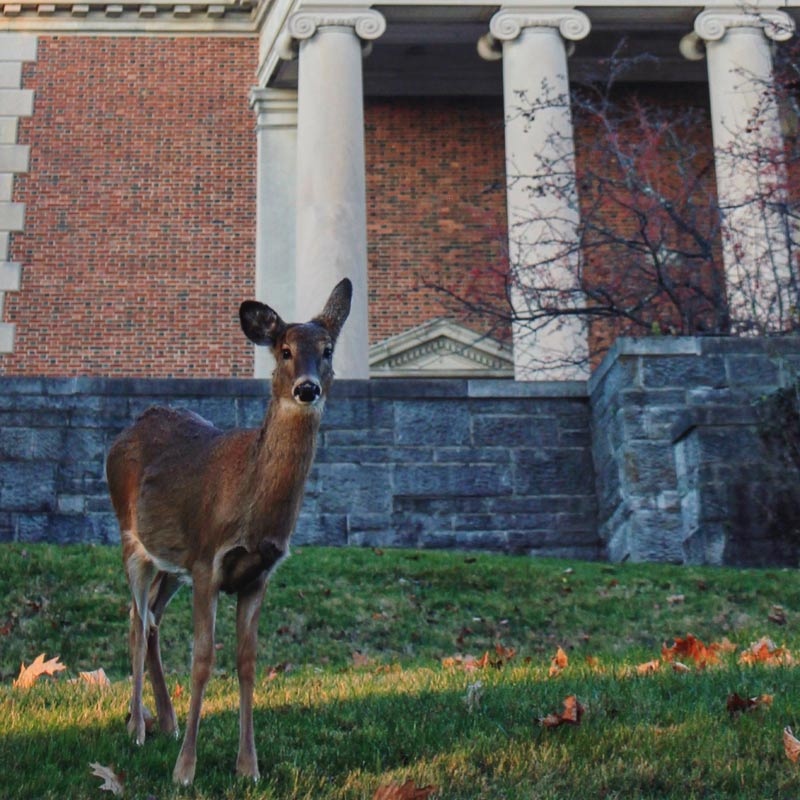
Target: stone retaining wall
(494,465)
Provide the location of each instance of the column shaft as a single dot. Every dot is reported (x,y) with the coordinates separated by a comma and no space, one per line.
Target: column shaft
(750,168)
(543,214)
(276,133)
(331,187)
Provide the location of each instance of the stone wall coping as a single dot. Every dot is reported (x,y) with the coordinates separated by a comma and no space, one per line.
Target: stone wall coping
(388,388)
(668,346)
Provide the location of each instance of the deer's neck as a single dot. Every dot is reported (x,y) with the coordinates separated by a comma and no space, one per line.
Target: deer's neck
(285,451)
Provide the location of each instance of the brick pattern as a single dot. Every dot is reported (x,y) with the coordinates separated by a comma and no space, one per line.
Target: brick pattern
(139,239)
(436,209)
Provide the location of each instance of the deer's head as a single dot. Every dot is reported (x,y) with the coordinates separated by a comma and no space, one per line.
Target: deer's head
(303,351)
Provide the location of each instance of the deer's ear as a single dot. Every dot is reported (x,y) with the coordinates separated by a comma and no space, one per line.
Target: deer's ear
(337,308)
(260,323)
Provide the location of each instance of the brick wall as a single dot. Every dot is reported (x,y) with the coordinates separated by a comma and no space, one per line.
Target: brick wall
(140,229)
(480,464)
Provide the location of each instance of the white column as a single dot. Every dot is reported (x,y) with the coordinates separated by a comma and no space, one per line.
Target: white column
(750,166)
(331,184)
(543,214)
(276,134)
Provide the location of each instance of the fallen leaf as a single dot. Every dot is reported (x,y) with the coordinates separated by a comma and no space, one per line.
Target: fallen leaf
(279,669)
(504,655)
(96,677)
(736,704)
(765,651)
(406,791)
(649,667)
(361,659)
(571,715)
(111,781)
(177,691)
(777,614)
(692,648)
(559,662)
(791,744)
(30,674)
(675,599)
(679,666)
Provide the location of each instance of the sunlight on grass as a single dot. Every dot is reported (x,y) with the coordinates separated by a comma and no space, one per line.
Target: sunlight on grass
(353,693)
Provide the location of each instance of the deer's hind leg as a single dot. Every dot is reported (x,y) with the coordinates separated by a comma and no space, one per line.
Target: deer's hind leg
(161,592)
(141,573)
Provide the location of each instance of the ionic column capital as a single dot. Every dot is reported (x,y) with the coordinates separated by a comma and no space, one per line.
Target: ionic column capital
(711,25)
(508,24)
(367,23)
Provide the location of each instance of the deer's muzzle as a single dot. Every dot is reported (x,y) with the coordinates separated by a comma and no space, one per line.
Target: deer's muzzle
(307,391)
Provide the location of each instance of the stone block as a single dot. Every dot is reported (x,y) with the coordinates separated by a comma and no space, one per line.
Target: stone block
(10,75)
(27,486)
(432,423)
(14,158)
(514,431)
(12,216)
(16,102)
(9,276)
(684,371)
(556,471)
(6,337)
(17,47)
(350,488)
(452,480)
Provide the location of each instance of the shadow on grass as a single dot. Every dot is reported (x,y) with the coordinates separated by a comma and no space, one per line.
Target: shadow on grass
(660,736)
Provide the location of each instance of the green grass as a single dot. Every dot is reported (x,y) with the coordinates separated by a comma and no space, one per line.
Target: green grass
(330,728)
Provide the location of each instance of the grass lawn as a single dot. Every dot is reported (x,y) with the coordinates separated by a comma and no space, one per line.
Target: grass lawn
(353,693)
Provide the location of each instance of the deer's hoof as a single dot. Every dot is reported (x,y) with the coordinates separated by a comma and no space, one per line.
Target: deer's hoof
(183,774)
(136,729)
(248,770)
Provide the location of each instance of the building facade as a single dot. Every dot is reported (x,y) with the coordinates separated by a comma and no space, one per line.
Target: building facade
(160,162)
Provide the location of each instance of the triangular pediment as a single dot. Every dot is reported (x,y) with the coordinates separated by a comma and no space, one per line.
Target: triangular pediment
(441,348)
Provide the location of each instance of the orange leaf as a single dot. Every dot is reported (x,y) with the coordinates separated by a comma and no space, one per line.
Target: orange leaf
(692,648)
(111,781)
(96,677)
(407,791)
(361,660)
(679,666)
(30,674)
(736,704)
(571,715)
(764,651)
(649,667)
(559,663)
(791,744)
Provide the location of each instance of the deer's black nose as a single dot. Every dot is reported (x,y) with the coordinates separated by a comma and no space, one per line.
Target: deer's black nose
(307,392)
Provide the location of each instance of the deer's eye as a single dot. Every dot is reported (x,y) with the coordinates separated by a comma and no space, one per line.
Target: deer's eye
(327,352)
(286,353)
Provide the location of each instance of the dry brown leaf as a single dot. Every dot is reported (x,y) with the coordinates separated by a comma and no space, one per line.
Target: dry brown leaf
(736,704)
(791,744)
(96,677)
(406,791)
(649,667)
(111,781)
(474,696)
(679,666)
(361,659)
(777,614)
(571,715)
(30,674)
(675,599)
(765,651)
(559,663)
(692,648)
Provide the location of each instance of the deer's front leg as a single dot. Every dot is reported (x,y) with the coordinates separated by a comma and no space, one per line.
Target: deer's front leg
(204,611)
(248,609)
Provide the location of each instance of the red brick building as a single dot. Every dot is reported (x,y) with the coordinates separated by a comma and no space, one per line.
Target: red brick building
(159,163)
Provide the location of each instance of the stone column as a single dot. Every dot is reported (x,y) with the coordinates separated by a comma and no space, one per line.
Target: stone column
(750,165)
(331,184)
(543,213)
(276,134)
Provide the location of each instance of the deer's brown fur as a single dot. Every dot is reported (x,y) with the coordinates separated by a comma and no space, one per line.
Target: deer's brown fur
(217,509)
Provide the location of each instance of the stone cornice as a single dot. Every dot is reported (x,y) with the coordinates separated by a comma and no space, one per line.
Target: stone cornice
(275,108)
(508,24)
(712,24)
(156,16)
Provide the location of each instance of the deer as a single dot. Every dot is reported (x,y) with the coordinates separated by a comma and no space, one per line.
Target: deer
(217,510)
